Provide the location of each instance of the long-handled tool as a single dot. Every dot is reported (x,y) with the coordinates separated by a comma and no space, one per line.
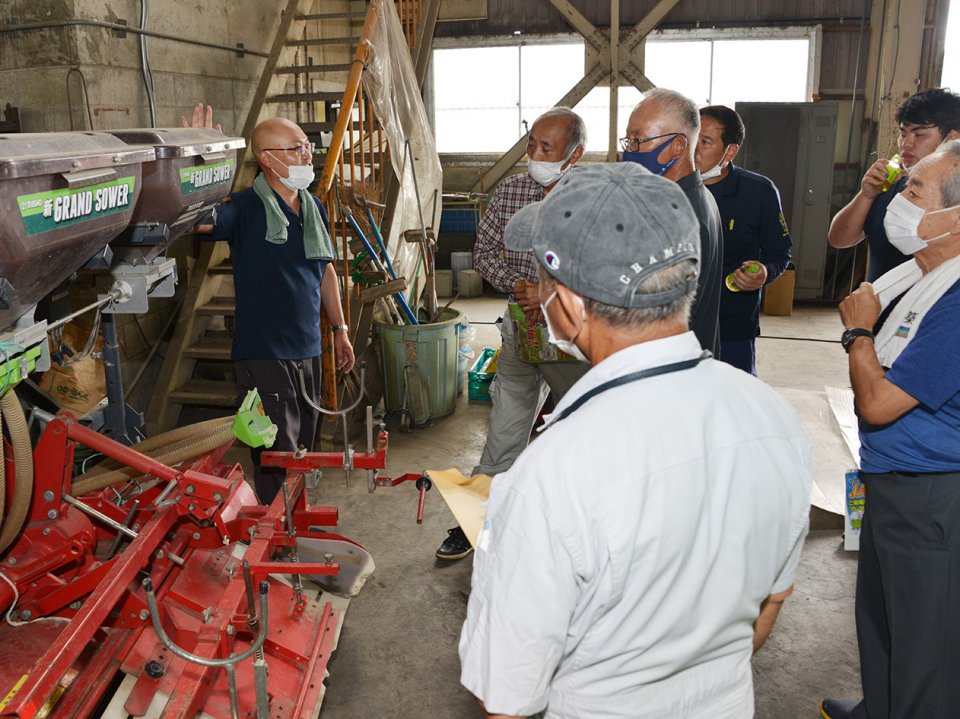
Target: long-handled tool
(401,300)
(364,203)
(430,291)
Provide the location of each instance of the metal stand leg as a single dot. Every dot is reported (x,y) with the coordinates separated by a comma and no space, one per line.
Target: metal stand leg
(121,422)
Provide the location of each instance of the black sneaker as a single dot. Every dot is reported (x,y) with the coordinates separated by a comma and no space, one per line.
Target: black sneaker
(838,708)
(455,546)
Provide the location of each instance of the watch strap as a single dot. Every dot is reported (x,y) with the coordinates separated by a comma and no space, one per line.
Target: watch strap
(341,328)
(851,334)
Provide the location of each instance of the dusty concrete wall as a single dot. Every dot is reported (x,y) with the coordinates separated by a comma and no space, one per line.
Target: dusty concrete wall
(34,64)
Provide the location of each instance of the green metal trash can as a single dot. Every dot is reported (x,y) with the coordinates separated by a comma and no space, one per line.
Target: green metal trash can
(432,350)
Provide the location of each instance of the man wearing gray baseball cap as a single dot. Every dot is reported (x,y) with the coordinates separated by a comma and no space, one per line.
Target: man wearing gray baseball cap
(637,553)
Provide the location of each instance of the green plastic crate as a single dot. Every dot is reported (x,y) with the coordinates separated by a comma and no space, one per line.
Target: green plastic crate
(478,384)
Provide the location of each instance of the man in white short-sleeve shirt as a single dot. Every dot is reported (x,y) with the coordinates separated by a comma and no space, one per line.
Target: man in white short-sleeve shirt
(637,554)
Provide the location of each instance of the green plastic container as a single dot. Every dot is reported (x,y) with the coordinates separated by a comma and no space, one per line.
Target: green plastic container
(479,381)
(432,349)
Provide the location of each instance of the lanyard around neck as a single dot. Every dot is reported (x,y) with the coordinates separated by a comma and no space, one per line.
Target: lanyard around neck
(632,377)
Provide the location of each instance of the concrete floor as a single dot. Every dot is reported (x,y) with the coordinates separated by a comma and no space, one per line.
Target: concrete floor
(398,651)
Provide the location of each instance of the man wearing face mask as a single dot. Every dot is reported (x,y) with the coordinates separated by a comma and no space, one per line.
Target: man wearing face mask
(662,136)
(756,243)
(637,554)
(554,146)
(283,273)
(905,374)
(926,119)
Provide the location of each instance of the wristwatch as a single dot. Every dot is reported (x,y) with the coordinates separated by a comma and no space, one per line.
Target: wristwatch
(850,335)
(341,328)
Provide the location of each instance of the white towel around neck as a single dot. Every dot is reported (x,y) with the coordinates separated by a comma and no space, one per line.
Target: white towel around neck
(901,325)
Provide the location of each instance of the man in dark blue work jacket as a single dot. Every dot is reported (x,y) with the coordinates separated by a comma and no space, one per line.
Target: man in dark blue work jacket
(756,242)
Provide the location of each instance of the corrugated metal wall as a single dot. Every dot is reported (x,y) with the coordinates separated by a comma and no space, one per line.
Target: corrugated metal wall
(538,16)
(840,20)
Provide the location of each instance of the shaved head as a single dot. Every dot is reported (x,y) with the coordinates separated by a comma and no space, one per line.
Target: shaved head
(276,132)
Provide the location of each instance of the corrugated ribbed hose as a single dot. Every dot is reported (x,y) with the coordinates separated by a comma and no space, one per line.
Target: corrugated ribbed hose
(16,422)
(3,473)
(160,443)
(214,436)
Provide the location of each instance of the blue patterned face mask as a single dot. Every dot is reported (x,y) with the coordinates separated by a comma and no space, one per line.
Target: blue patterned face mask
(649,159)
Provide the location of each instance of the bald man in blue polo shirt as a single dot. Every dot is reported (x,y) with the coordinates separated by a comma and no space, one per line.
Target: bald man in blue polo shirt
(283,273)
(756,242)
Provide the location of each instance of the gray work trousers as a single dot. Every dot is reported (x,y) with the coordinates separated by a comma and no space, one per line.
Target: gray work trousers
(518,393)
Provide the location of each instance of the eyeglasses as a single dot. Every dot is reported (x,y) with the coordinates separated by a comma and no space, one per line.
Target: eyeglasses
(632,144)
(305,150)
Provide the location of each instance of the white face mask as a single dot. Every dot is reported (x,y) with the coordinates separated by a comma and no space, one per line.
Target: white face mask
(714,171)
(902,225)
(546,173)
(568,346)
(299,177)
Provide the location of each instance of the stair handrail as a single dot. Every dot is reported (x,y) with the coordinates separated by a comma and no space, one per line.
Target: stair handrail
(349,99)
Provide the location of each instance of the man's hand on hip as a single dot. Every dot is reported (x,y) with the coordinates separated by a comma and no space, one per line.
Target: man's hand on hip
(861,308)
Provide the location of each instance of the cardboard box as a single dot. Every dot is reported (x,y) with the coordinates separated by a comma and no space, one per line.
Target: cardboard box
(80,386)
(778,295)
(531,340)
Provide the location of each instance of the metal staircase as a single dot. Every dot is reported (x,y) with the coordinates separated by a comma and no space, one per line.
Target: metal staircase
(315,55)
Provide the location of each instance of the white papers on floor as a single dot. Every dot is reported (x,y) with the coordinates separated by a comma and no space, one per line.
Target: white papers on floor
(841,404)
(466,497)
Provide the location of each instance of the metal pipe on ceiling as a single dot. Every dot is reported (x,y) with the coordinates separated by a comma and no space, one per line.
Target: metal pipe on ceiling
(119,27)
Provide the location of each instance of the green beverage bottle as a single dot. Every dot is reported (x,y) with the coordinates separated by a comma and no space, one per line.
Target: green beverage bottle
(894,170)
(753,268)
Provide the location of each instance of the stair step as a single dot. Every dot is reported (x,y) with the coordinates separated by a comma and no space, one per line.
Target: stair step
(205,392)
(308,69)
(291,69)
(218,306)
(319,96)
(353,15)
(315,128)
(313,42)
(210,349)
(330,96)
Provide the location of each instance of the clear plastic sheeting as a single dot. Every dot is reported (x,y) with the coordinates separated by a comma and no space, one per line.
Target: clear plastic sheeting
(391,85)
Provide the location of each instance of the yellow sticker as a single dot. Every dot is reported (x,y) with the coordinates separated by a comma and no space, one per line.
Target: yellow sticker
(13,692)
(730,226)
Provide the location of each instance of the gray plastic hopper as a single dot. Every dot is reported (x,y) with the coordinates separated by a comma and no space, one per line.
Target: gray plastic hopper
(193,171)
(63,197)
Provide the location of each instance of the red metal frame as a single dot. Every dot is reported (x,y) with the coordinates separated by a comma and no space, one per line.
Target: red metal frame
(202,598)
(307,461)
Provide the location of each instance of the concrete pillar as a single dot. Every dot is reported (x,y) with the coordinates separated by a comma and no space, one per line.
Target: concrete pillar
(893,65)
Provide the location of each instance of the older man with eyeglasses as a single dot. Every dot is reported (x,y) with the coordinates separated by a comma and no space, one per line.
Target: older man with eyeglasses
(662,136)
(283,273)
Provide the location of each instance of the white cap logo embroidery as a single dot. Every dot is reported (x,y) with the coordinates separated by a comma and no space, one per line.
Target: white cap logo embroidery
(551,260)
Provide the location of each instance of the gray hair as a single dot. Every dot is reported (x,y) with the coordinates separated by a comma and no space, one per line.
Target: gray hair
(681,274)
(950,188)
(576,128)
(682,107)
